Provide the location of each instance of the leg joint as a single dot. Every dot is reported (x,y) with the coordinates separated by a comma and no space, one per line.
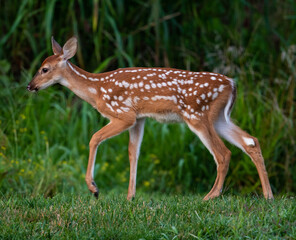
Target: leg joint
(224,158)
(251,141)
(95,141)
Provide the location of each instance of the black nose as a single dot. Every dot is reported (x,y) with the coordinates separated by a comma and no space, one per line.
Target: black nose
(30,88)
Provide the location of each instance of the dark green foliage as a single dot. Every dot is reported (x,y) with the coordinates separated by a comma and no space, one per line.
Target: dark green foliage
(44,137)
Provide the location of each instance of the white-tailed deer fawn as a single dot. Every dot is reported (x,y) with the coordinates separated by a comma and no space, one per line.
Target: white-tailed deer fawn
(126,96)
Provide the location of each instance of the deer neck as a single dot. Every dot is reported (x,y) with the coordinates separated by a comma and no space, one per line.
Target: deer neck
(81,83)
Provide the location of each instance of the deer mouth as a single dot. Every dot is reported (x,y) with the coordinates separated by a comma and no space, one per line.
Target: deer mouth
(32,88)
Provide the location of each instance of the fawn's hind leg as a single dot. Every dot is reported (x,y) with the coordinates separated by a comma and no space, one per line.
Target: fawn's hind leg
(221,154)
(249,145)
(136,135)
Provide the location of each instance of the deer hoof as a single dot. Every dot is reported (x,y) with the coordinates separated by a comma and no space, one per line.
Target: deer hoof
(96,195)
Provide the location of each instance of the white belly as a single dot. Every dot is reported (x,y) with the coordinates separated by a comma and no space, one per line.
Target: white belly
(162,117)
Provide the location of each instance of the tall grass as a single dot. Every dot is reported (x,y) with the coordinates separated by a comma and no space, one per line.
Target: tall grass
(44,137)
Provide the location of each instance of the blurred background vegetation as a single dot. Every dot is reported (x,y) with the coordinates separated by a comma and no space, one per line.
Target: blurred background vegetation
(44,137)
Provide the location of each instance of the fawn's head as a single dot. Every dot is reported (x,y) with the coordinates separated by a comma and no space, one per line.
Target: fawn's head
(50,71)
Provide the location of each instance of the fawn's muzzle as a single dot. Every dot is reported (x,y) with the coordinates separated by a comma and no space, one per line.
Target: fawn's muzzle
(32,88)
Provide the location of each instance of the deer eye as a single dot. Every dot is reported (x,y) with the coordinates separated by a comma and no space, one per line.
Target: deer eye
(44,70)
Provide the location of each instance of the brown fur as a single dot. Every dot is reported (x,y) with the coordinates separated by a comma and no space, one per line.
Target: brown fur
(127,96)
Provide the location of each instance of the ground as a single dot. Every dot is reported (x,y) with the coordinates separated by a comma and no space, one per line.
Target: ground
(153,216)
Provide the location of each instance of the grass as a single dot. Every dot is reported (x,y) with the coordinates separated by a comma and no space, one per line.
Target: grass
(147,217)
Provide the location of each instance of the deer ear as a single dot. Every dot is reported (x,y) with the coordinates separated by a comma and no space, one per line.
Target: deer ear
(56,48)
(70,48)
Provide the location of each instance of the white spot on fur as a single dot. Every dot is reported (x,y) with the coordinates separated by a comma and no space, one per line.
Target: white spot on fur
(93,79)
(92,90)
(114,103)
(125,84)
(110,107)
(169,98)
(128,102)
(103,90)
(215,95)
(74,70)
(136,99)
(125,109)
(187,115)
(221,88)
(249,141)
(106,97)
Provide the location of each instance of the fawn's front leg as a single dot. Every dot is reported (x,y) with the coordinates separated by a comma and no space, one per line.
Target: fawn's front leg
(115,127)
